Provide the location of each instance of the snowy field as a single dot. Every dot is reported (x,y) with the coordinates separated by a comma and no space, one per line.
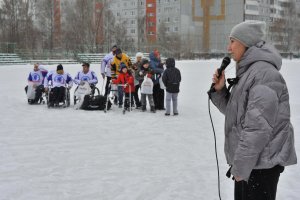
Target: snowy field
(67,154)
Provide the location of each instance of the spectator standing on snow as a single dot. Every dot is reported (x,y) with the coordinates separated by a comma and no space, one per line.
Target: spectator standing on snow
(127,80)
(136,68)
(145,74)
(259,136)
(119,58)
(158,93)
(171,78)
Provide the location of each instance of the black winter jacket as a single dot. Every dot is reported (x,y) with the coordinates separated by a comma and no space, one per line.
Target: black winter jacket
(172,78)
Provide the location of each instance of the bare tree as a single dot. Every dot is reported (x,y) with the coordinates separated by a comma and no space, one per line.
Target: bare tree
(17,23)
(169,42)
(45,16)
(141,20)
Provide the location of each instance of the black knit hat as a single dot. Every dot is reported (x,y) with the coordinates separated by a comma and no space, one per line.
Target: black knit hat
(59,67)
(114,47)
(118,51)
(145,61)
(86,64)
(170,62)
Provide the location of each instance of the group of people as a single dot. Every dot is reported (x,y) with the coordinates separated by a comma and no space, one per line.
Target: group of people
(56,83)
(259,136)
(136,81)
(147,77)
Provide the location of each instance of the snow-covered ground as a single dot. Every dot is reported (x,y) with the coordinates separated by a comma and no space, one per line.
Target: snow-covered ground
(62,154)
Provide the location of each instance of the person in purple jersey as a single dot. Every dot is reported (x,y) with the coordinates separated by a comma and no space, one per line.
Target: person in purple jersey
(86,75)
(105,68)
(36,79)
(57,81)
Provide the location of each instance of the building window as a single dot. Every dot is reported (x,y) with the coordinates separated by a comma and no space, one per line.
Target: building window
(151,24)
(176,29)
(252,7)
(150,5)
(132,31)
(150,14)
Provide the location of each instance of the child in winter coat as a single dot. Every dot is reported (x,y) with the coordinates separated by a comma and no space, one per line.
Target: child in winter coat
(147,85)
(171,78)
(127,80)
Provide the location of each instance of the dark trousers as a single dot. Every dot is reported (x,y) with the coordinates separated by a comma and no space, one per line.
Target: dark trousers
(57,94)
(120,95)
(127,100)
(136,96)
(158,97)
(107,89)
(262,185)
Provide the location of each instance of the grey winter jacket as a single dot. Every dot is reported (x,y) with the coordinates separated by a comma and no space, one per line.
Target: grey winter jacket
(258,131)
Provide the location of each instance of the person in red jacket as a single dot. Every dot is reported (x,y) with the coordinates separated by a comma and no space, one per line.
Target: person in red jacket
(127,80)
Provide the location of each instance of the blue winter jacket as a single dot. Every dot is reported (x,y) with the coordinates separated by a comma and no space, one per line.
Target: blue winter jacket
(157,66)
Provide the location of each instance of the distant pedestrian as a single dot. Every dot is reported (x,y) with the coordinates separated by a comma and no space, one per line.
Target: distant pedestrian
(171,78)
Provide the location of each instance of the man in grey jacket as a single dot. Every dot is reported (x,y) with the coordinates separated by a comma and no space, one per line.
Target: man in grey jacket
(259,137)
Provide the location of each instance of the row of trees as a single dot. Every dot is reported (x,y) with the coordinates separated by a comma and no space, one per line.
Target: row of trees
(31,25)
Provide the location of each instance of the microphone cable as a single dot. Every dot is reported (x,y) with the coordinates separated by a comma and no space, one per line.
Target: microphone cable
(216,151)
(215,140)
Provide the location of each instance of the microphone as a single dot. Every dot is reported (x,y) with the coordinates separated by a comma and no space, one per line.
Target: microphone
(226,61)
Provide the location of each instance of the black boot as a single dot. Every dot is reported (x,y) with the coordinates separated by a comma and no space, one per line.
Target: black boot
(153,109)
(143,108)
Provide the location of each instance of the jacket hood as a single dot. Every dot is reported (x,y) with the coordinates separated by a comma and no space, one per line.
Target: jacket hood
(170,63)
(260,52)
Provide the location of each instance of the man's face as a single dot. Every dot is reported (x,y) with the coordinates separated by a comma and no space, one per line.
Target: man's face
(36,67)
(60,71)
(119,55)
(146,65)
(85,69)
(236,49)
